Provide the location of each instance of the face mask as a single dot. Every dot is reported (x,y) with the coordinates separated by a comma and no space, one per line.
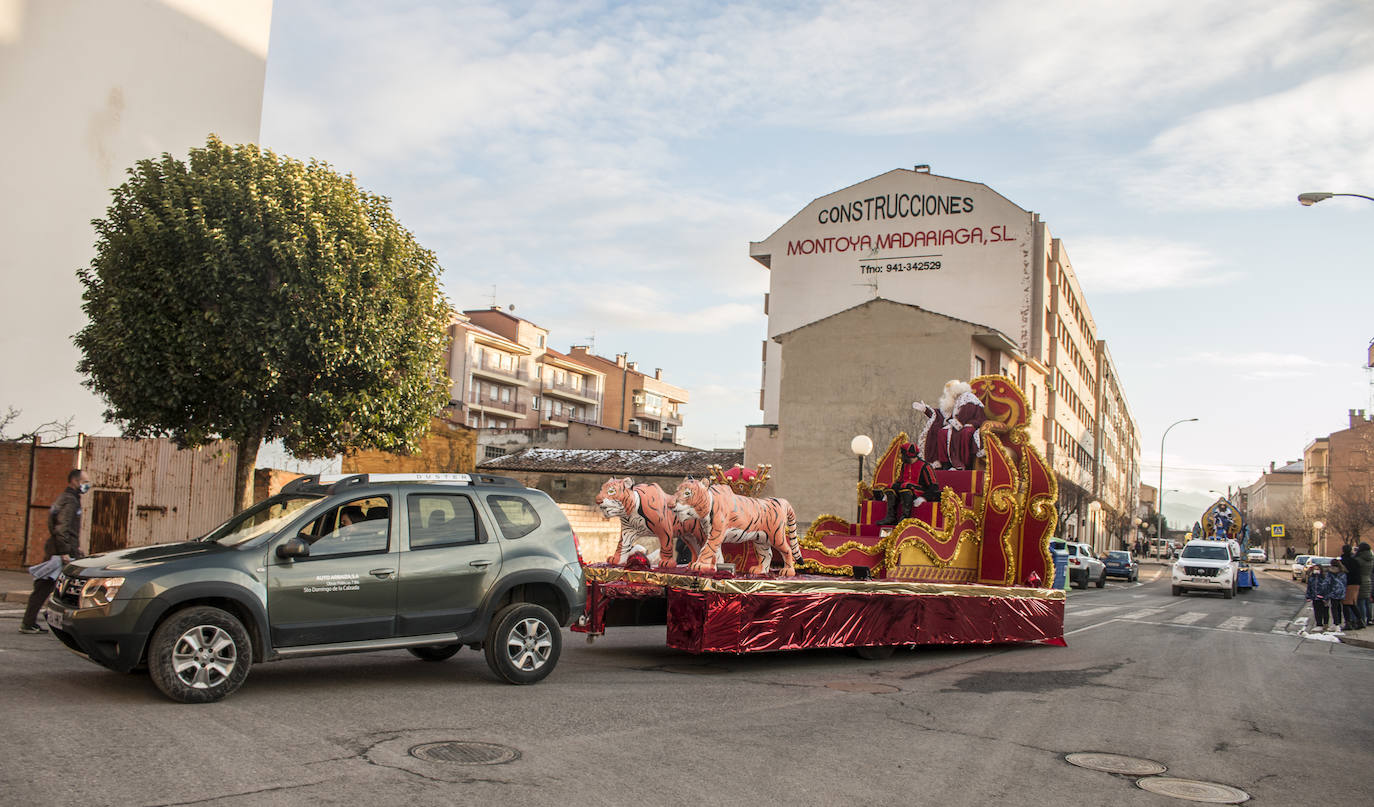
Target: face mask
(85,487)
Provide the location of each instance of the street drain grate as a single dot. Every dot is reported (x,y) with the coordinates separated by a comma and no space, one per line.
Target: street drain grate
(862,686)
(1115,763)
(1193,790)
(465,753)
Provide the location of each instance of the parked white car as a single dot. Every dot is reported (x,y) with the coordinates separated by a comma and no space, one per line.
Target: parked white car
(1084,568)
(1256,555)
(1207,566)
(1299,564)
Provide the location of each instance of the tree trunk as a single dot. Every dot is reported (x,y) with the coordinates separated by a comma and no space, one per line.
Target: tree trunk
(244,466)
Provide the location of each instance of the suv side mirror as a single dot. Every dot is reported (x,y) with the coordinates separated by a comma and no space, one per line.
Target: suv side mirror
(294,548)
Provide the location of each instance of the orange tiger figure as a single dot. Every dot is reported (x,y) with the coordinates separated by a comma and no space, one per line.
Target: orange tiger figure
(643,510)
(725,517)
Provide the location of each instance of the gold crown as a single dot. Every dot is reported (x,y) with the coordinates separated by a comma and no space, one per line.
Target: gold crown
(744,487)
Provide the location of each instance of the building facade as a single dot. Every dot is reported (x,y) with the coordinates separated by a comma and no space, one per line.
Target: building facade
(1275,500)
(507,376)
(90,89)
(981,286)
(1338,485)
(635,401)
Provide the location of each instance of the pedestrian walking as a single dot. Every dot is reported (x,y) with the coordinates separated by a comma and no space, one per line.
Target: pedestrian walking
(1335,598)
(1364,565)
(1318,589)
(63,544)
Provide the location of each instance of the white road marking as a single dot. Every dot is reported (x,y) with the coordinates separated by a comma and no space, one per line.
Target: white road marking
(1101,609)
(1189,618)
(1144,613)
(1236,623)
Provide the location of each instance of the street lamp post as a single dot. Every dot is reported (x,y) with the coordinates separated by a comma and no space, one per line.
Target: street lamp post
(1159,525)
(1311,198)
(862,446)
(1316,536)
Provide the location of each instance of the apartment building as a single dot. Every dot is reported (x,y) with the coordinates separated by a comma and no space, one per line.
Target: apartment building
(980,286)
(635,401)
(1276,499)
(1338,485)
(505,376)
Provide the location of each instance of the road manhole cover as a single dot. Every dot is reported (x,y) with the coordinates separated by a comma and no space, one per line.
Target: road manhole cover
(465,753)
(862,686)
(1115,763)
(1193,790)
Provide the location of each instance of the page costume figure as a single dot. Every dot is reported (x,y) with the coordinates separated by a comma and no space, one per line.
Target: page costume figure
(915,487)
(951,438)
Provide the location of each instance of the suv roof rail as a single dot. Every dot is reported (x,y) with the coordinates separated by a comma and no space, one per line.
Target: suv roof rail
(337,482)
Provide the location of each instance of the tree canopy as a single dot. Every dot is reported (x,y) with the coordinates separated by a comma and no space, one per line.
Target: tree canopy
(251,297)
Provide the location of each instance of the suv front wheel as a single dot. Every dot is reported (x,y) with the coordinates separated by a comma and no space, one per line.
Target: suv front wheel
(199,655)
(523,643)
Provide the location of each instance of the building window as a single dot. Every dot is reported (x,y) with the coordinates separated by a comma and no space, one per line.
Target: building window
(541,340)
(536,403)
(492,452)
(979,366)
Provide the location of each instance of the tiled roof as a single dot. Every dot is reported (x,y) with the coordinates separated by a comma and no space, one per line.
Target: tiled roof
(624,461)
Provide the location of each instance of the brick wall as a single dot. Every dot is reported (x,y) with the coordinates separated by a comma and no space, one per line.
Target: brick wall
(50,467)
(268,482)
(449,448)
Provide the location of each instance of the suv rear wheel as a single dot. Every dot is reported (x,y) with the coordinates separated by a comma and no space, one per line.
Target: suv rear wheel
(523,643)
(199,655)
(438,652)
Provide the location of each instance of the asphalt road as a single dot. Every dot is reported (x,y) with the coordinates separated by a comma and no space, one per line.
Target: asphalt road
(1217,690)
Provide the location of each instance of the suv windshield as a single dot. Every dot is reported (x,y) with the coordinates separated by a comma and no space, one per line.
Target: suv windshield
(264,517)
(1206,552)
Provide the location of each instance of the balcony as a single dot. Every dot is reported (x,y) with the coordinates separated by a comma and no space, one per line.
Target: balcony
(504,406)
(493,370)
(576,392)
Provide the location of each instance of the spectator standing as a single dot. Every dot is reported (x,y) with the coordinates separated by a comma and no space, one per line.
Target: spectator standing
(64,544)
(1364,565)
(1350,610)
(1318,588)
(1335,598)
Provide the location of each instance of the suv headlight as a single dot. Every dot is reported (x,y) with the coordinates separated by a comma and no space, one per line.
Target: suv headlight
(99,591)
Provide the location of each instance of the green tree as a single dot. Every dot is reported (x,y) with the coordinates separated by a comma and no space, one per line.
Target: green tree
(250,297)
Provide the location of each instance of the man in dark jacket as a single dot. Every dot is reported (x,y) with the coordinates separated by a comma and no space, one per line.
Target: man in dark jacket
(1363,571)
(64,541)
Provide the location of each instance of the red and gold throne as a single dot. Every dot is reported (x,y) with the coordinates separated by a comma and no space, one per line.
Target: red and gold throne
(991,525)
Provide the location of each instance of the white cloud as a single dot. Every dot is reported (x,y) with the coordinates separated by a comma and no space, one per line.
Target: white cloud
(1263,152)
(1121,265)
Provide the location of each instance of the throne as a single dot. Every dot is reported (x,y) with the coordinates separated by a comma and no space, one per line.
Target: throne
(991,525)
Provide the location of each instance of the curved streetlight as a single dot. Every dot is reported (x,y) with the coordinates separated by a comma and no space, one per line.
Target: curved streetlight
(1159,517)
(1311,198)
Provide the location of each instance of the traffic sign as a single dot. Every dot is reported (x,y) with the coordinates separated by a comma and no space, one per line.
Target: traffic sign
(1276,530)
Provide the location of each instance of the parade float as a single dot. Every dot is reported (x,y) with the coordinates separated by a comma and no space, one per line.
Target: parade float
(1222,522)
(953,551)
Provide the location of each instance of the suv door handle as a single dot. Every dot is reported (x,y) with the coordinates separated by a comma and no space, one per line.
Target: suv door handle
(480,564)
(382,574)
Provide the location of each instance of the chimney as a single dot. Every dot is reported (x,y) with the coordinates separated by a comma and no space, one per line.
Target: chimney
(583,348)
(633,366)
(1271,467)
(658,376)
(620,359)
(1356,417)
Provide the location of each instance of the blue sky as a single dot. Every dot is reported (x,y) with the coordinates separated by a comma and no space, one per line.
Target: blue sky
(604,166)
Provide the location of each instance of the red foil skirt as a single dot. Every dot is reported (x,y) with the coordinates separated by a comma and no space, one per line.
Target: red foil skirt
(716,622)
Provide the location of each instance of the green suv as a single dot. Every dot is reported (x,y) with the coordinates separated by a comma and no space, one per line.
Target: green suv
(335,564)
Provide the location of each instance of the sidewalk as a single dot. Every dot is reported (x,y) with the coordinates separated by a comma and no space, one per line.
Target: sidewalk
(14,591)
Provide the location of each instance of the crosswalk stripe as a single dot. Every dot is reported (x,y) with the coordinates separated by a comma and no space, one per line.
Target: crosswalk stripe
(1190,617)
(1144,613)
(1236,623)
(1101,609)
